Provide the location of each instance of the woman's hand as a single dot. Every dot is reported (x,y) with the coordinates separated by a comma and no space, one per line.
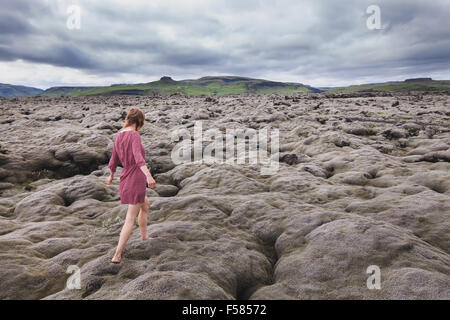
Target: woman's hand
(151,182)
(110,179)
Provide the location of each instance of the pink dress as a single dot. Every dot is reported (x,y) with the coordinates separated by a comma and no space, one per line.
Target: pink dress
(128,149)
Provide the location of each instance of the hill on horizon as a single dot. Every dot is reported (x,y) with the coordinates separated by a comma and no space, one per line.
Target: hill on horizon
(221,85)
(209,85)
(415,84)
(14,91)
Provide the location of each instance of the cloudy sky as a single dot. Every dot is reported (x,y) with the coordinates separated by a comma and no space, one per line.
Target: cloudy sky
(321,43)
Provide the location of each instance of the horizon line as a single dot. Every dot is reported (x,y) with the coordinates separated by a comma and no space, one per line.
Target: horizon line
(219,76)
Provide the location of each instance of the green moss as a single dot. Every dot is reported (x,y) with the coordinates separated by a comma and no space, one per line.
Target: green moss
(371,132)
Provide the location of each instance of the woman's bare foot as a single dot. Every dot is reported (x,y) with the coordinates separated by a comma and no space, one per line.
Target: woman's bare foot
(145,238)
(116,259)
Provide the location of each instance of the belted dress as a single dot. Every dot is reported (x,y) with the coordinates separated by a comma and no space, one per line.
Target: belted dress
(129,151)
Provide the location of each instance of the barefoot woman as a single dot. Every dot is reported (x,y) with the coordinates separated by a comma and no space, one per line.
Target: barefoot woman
(128,149)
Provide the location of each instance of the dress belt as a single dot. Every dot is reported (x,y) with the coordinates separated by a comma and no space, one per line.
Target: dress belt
(128,168)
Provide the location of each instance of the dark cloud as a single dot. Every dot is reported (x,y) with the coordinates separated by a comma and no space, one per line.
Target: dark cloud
(13,25)
(58,55)
(296,40)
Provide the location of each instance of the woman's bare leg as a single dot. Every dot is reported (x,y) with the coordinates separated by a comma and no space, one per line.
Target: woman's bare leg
(142,219)
(132,212)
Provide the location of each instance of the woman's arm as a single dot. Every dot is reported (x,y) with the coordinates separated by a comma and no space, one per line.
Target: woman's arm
(146,171)
(150,181)
(113,163)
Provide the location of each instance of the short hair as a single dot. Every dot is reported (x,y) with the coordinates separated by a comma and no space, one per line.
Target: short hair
(134,116)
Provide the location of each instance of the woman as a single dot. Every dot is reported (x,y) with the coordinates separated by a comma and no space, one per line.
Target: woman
(128,149)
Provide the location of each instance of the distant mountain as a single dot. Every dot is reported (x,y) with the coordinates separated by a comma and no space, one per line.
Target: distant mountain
(220,85)
(11,91)
(64,91)
(207,85)
(417,84)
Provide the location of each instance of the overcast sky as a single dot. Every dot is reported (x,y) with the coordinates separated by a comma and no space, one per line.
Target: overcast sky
(320,43)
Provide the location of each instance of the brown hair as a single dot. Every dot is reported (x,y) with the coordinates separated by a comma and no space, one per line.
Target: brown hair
(134,116)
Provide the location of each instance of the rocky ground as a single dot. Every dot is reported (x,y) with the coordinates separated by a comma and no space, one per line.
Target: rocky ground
(364,180)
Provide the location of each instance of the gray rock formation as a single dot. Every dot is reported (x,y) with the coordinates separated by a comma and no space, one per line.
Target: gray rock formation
(368,184)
